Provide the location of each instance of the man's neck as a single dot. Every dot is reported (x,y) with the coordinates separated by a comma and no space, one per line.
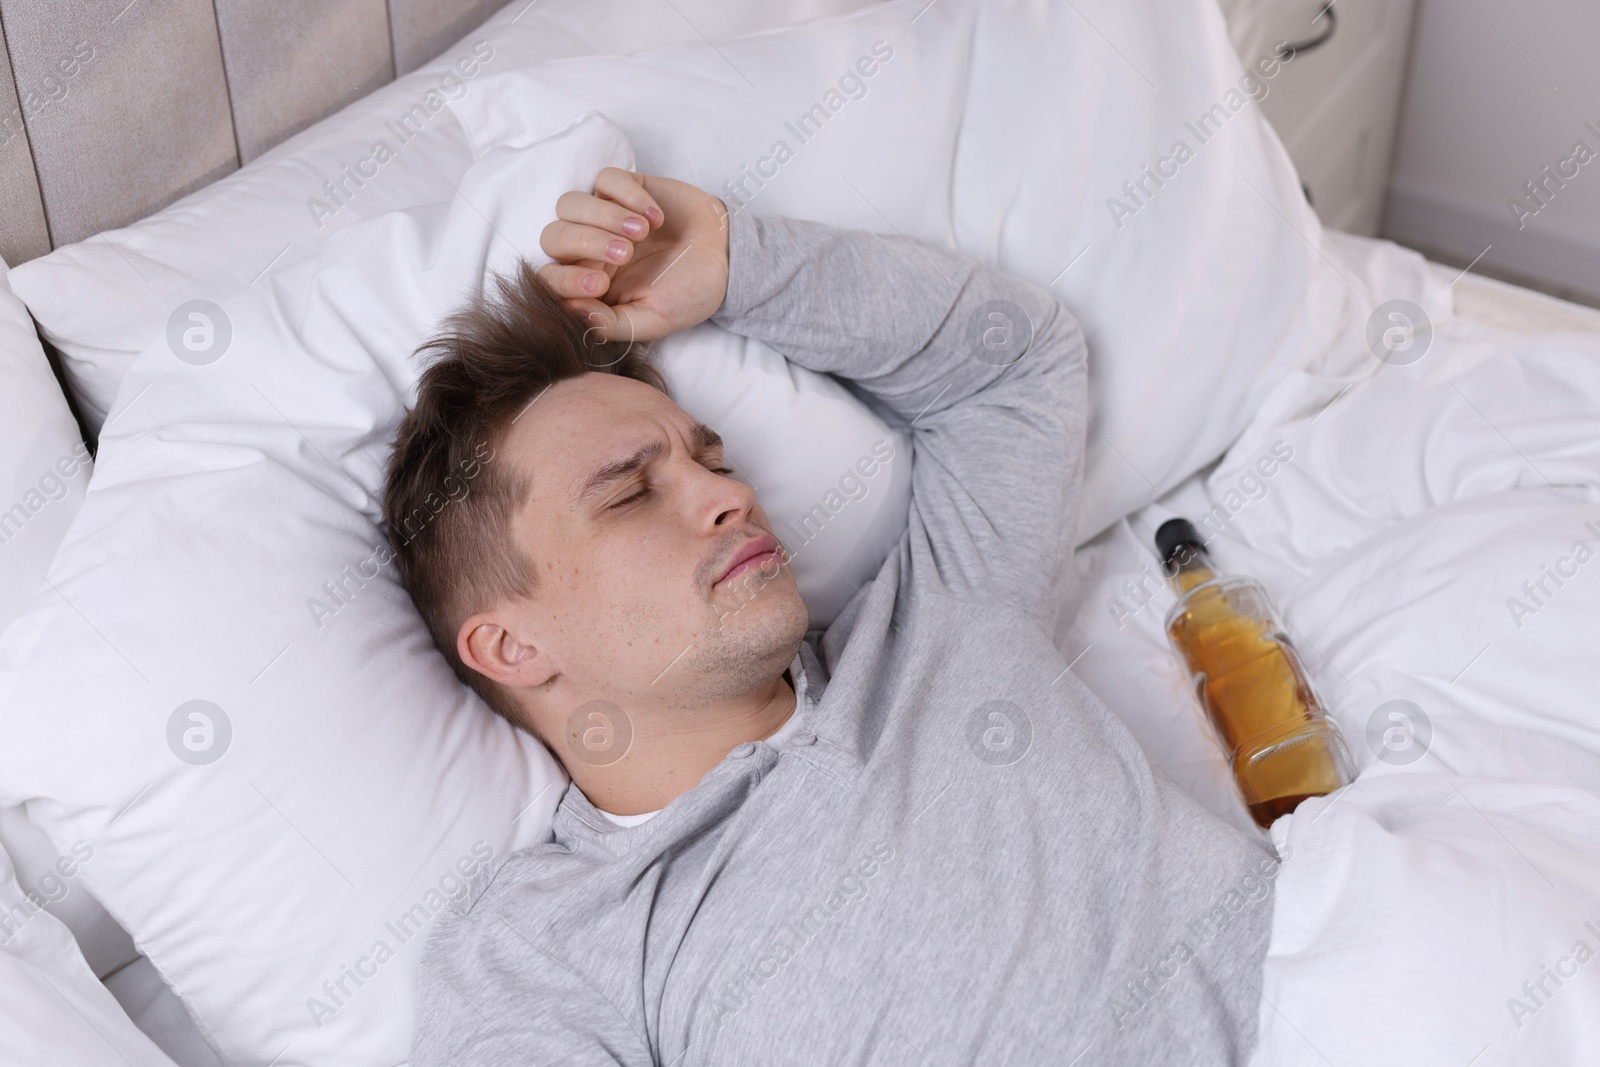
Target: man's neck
(672,752)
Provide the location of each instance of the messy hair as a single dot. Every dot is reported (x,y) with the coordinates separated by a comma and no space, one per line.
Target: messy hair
(447,501)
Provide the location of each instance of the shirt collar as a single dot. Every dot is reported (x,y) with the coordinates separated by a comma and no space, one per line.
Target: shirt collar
(803,704)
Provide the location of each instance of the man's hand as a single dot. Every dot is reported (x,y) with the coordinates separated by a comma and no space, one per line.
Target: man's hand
(641,257)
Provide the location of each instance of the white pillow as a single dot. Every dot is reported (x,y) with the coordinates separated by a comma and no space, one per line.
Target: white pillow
(52,1007)
(101,301)
(44,471)
(44,464)
(55,875)
(1004,129)
(875,153)
(338,773)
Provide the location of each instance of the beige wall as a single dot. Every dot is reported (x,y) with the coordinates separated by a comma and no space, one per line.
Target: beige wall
(1496,91)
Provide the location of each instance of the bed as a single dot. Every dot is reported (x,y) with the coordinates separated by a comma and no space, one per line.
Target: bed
(202,284)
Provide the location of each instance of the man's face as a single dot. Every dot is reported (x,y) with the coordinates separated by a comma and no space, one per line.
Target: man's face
(632,522)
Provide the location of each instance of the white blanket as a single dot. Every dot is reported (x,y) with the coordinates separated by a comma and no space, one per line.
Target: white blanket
(1434,540)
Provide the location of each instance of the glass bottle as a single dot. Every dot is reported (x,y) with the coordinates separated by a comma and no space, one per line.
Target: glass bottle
(1249,679)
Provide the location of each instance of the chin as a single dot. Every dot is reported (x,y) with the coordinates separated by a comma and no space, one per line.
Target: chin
(752,646)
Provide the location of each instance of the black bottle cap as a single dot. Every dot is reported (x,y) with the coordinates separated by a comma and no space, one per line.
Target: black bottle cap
(1173,535)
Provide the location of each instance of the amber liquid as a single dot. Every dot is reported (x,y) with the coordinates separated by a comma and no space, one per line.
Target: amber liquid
(1281,746)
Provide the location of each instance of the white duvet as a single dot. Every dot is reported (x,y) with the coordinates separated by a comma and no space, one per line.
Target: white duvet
(1433,535)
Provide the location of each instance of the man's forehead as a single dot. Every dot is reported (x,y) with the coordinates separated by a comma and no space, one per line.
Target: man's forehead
(586,427)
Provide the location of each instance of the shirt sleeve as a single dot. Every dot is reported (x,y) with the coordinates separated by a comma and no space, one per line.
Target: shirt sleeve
(488,997)
(989,371)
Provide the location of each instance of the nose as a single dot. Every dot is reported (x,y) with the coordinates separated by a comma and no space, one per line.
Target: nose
(727,501)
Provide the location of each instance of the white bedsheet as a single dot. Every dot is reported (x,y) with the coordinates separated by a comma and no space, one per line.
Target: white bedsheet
(1412,907)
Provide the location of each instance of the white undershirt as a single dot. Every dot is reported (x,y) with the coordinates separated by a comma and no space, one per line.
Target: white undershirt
(778,737)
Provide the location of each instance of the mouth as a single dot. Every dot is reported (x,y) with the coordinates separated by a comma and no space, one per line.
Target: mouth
(754,553)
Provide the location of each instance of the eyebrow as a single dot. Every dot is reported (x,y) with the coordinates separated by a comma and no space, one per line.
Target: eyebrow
(704,438)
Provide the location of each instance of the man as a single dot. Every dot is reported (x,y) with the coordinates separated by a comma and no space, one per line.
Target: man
(913,839)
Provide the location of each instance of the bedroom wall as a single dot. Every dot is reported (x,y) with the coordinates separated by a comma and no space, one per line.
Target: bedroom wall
(1498,90)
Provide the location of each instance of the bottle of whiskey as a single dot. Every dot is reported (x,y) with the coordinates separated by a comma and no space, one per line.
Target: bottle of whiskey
(1250,681)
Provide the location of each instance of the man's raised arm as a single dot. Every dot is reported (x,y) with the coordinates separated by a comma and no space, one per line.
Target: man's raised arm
(988,370)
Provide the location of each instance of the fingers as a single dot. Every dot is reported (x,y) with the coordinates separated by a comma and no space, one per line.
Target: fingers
(601,319)
(575,282)
(626,323)
(587,210)
(627,189)
(604,322)
(602,227)
(569,241)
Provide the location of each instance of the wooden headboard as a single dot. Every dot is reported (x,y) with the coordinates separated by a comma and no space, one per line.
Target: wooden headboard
(112,109)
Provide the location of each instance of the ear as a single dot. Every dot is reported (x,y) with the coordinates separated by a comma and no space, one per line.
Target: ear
(485,645)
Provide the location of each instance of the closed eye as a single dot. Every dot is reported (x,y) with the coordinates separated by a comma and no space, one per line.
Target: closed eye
(643,491)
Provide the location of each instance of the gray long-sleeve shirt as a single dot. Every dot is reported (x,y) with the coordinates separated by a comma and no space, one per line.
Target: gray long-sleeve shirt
(960,856)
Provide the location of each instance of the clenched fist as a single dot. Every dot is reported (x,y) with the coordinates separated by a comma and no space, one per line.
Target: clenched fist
(641,257)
